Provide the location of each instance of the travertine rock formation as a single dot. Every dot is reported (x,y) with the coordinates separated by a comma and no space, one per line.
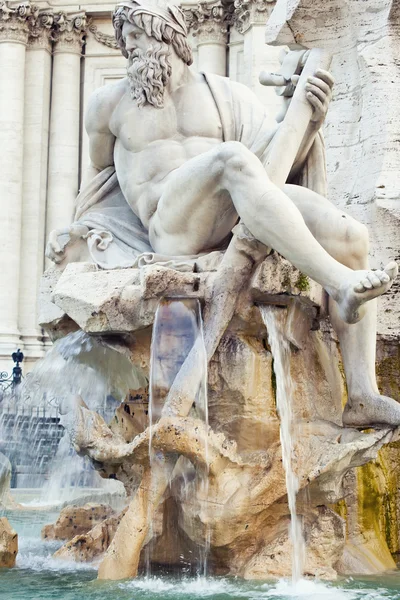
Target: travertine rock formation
(8,544)
(243,510)
(76,520)
(91,544)
(324,532)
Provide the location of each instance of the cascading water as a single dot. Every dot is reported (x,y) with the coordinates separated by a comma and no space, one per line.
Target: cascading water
(177,328)
(274,320)
(30,429)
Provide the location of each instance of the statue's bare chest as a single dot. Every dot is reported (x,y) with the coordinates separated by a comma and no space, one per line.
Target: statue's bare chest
(188,115)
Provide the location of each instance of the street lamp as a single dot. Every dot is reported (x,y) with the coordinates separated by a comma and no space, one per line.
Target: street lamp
(6,380)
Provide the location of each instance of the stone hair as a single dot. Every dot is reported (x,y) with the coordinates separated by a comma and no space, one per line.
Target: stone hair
(149,74)
(154,27)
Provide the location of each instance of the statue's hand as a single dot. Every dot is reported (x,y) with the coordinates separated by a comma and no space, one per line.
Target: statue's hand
(319,94)
(60,238)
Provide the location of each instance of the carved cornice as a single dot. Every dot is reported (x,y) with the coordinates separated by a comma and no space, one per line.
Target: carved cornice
(14,22)
(209,21)
(250,12)
(68,32)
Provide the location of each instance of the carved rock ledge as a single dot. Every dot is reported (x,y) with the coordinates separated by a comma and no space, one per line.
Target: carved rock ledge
(125,300)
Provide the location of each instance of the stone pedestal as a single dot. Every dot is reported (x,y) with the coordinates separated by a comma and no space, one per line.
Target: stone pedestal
(244,512)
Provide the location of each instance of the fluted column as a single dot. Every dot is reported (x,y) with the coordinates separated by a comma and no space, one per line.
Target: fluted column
(13,40)
(63,173)
(209,27)
(36,134)
(211,48)
(250,17)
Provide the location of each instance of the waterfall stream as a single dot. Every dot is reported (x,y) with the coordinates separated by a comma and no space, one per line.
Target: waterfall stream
(177,328)
(274,320)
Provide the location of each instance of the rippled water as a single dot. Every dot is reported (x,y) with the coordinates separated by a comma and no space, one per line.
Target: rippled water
(39,577)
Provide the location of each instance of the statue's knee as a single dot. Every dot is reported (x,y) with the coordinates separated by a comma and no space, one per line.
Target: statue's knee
(356,236)
(234,156)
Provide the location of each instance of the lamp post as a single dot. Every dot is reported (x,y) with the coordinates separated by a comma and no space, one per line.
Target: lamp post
(10,381)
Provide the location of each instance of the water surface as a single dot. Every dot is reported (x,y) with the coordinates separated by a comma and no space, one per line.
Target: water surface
(39,577)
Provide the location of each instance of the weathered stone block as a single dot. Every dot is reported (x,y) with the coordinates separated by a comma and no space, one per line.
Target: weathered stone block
(8,544)
(76,520)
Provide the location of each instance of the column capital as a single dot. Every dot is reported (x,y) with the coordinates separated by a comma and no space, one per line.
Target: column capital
(40,33)
(14,22)
(209,21)
(68,32)
(251,12)
(26,23)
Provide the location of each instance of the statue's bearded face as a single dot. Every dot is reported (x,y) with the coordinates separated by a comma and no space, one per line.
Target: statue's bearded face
(149,67)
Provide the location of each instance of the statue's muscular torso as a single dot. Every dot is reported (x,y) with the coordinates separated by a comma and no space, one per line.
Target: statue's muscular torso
(149,144)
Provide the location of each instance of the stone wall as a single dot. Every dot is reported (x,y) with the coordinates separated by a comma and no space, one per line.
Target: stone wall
(362,135)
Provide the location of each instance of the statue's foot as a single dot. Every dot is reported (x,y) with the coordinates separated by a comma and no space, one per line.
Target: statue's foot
(364,286)
(371,411)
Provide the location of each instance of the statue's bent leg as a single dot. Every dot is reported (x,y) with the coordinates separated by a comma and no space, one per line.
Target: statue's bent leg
(347,241)
(193,206)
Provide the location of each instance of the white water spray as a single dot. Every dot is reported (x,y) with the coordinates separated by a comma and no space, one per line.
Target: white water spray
(274,320)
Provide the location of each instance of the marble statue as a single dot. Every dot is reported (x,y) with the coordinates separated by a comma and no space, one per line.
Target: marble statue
(177,157)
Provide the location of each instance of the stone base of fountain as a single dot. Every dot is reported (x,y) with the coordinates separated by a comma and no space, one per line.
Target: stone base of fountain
(8,544)
(244,512)
(76,520)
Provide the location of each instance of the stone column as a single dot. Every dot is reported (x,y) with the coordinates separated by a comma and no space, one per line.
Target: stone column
(36,134)
(250,17)
(13,40)
(208,22)
(63,173)
(236,56)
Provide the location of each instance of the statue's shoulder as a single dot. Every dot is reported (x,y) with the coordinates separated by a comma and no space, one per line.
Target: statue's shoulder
(109,95)
(102,104)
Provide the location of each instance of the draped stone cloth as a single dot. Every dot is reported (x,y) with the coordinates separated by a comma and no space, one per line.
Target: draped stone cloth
(118,239)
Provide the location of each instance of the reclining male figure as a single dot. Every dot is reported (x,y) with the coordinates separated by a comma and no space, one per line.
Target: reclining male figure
(161,129)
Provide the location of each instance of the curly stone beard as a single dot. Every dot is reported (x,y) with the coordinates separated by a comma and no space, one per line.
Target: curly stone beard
(148,74)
